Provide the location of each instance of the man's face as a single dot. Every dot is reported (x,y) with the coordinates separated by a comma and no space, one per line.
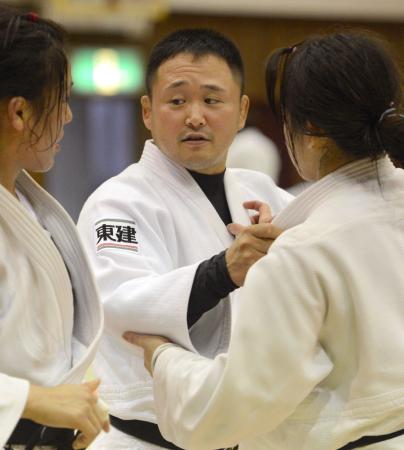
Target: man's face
(195,111)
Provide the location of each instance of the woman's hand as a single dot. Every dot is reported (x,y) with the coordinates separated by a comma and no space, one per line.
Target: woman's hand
(73,406)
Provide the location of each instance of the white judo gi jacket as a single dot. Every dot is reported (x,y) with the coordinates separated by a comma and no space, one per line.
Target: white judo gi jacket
(316,358)
(146,231)
(43,338)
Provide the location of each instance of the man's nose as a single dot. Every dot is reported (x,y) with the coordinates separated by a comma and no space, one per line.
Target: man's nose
(195,117)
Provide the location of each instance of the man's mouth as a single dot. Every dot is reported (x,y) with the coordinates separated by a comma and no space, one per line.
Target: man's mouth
(195,138)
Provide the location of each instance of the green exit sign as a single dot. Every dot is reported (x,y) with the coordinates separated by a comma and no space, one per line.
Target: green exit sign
(107,71)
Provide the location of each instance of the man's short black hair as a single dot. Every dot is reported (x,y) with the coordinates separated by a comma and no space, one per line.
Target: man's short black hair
(197,42)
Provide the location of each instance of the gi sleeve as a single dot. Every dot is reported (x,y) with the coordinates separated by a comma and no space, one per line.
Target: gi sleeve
(132,248)
(274,361)
(13,397)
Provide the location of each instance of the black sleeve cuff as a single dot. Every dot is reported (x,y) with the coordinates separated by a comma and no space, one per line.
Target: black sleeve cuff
(212,282)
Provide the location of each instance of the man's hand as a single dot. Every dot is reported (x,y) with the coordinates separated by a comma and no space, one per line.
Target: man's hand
(251,244)
(148,343)
(263,209)
(73,406)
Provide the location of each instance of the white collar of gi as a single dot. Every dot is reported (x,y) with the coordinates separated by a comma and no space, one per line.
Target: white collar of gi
(301,207)
(158,162)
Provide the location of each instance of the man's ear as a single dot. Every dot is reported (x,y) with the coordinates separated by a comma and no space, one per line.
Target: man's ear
(145,101)
(244,107)
(18,112)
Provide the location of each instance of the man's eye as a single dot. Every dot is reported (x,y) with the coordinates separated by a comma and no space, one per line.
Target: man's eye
(177,101)
(211,101)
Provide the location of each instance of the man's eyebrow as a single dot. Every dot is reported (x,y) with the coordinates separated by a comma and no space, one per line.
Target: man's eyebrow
(210,87)
(176,84)
(213,87)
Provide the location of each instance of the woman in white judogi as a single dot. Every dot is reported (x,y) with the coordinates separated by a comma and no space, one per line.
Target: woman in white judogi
(50,316)
(316,360)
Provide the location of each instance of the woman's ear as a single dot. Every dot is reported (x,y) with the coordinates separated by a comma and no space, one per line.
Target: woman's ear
(18,113)
(313,129)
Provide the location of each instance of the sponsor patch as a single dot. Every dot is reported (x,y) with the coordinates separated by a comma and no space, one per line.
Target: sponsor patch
(116,233)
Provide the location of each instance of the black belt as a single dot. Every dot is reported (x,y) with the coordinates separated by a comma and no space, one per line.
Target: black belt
(367,440)
(145,431)
(31,434)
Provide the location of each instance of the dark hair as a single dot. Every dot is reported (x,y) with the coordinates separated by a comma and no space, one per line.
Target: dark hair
(33,63)
(347,86)
(198,42)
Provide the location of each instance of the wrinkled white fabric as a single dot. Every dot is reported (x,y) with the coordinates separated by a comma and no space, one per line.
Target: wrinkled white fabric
(316,358)
(145,285)
(44,340)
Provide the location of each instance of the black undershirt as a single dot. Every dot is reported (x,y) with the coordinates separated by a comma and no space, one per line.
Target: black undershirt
(212,281)
(213,188)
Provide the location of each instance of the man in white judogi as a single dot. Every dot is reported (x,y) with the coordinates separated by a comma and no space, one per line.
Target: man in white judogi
(156,234)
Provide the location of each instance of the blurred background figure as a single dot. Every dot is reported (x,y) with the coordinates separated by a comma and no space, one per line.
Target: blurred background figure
(251,149)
